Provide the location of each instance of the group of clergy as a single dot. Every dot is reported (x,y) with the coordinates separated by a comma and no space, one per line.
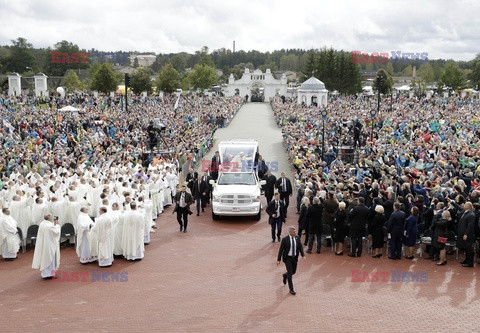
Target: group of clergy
(112,212)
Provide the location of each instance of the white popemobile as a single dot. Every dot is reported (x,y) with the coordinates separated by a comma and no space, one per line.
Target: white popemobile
(237,190)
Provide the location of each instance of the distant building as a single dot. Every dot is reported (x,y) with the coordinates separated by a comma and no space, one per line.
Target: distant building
(312,92)
(144,60)
(291,76)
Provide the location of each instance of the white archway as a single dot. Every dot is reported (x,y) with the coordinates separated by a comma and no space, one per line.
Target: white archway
(248,81)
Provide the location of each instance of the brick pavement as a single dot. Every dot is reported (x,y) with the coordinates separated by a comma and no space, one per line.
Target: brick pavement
(221,276)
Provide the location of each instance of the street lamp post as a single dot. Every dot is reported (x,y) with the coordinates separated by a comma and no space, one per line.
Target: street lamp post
(373,114)
(324,116)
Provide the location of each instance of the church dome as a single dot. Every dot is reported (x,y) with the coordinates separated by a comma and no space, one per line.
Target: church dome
(312,84)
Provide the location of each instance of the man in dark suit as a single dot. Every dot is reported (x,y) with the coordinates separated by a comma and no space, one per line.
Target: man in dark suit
(269,187)
(191,178)
(199,192)
(284,187)
(466,231)
(262,167)
(358,222)
(314,215)
(395,227)
(289,249)
(183,200)
(277,216)
(215,166)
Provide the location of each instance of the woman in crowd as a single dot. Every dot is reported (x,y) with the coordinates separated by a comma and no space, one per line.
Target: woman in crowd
(377,231)
(440,236)
(411,232)
(339,222)
(303,220)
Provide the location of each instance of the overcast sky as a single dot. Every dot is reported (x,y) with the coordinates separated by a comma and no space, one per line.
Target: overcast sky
(442,28)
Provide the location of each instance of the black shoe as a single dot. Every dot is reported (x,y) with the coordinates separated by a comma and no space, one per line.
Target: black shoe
(181,229)
(278,237)
(462,262)
(393,258)
(185,230)
(467,265)
(441,263)
(309,251)
(203,210)
(411,257)
(339,253)
(305,244)
(293,292)
(318,251)
(198,214)
(284,279)
(352,255)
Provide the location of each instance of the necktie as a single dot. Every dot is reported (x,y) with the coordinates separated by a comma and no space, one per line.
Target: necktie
(293,247)
(276,208)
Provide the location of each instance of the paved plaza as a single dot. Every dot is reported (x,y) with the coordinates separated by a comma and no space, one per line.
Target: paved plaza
(222,276)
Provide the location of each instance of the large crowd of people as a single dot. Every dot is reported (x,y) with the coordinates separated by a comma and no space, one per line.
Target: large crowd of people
(414,175)
(93,173)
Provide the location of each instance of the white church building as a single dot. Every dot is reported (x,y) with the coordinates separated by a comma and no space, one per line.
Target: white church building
(312,92)
(257,83)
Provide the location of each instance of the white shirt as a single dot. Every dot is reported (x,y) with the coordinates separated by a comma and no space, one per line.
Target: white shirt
(293,247)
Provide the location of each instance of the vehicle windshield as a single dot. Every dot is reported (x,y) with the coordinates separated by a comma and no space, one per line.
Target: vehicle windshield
(237,179)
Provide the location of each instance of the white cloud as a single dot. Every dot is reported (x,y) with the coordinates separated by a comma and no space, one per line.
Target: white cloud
(442,28)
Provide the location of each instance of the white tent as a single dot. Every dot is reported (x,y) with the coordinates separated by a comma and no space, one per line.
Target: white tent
(68,108)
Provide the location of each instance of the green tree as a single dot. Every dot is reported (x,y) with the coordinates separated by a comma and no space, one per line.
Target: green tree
(310,64)
(289,62)
(59,68)
(140,82)
(452,76)
(21,58)
(386,88)
(389,69)
(408,71)
(426,73)
(475,74)
(72,82)
(135,62)
(104,78)
(202,76)
(168,79)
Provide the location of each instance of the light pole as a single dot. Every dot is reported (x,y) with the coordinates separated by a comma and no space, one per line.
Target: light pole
(324,116)
(373,113)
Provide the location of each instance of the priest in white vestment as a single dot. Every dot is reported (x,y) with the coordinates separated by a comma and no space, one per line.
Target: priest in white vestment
(46,257)
(84,225)
(9,238)
(146,209)
(105,235)
(133,234)
(38,212)
(20,213)
(118,224)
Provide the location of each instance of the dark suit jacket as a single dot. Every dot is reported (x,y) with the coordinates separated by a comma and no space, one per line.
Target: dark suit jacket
(285,248)
(358,220)
(396,224)
(188,201)
(190,179)
(279,185)
(197,191)
(271,210)
(214,167)
(466,226)
(269,187)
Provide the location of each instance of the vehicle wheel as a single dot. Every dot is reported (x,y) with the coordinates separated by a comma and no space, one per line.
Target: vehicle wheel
(259,215)
(214,216)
